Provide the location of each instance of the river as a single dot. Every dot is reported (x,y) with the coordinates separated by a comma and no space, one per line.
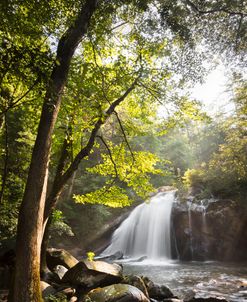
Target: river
(206,279)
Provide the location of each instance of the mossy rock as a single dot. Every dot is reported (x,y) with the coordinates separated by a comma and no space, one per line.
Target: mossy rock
(116,293)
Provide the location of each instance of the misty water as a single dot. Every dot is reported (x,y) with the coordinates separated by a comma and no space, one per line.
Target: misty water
(140,234)
(145,234)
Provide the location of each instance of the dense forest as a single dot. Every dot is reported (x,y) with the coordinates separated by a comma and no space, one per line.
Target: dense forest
(96,113)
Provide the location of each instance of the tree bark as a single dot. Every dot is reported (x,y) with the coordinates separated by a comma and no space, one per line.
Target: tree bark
(26,285)
(61,164)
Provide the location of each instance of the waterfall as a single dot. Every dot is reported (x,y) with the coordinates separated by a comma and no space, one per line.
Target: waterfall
(146,232)
(190,230)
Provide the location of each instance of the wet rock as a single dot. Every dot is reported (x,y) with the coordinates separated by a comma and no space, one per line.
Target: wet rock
(47,289)
(142,258)
(189,295)
(56,257)
(210,229)
(156,291)
(60,270)
(172,300)
(117,256)
(91,274)
(137,282)
(69,292)
(49,277)
(116,293)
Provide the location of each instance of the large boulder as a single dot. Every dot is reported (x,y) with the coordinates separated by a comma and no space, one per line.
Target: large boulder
(91,274)
(56,257)
(137,282)
(116,293)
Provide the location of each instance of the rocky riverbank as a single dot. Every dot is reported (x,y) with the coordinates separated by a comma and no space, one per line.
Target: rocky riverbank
(98,281)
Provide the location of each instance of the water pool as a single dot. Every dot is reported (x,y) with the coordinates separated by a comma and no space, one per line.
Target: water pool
(206,279)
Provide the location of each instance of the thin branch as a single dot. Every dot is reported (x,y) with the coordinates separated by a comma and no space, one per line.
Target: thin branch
(215,10)
(119,25)
(124,135)
(151,92)
(110,154)
(85,151)
(102,74)
(53,196)
(15,103)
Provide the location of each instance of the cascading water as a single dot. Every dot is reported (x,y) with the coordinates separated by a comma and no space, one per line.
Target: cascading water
(146,232)
(191,230)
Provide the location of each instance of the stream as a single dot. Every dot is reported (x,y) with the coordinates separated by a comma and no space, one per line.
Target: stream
(206,279)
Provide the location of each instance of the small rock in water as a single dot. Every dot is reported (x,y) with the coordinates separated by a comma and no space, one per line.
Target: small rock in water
(172,300)
(209,299)
(117,256)
(137,282)
(156,291)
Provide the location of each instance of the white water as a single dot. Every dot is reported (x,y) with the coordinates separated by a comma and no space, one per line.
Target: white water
(146,232)
(191,230)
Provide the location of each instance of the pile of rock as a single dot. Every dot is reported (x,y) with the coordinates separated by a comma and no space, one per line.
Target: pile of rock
(99,281)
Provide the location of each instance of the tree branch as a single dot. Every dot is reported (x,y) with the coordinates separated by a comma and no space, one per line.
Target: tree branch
(15,103)
(124,134)
(56,190)
(110,154)
(215,10)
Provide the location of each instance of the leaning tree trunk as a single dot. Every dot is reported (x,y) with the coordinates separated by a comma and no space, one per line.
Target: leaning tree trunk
(26,285)
(62,177)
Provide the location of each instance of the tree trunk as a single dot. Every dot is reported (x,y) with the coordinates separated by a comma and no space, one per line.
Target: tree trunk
(61,177)
(26,285)
(44,246)
(61,164)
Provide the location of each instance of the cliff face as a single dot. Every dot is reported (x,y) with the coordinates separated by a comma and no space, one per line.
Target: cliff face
(212,231)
